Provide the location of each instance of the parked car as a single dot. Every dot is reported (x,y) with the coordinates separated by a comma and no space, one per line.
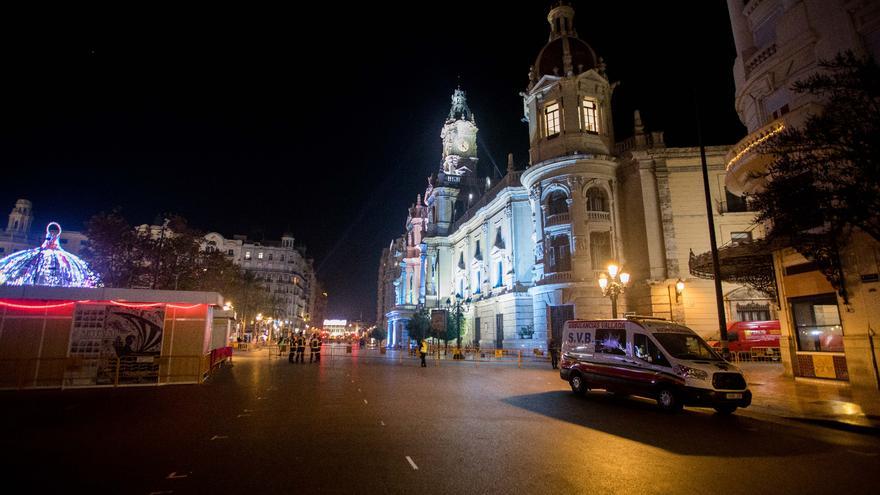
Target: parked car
(650,357)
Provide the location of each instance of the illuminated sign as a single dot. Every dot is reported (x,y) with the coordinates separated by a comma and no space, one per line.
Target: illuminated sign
(335,323)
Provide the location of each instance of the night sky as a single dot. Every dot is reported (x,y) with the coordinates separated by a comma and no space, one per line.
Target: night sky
(324,121)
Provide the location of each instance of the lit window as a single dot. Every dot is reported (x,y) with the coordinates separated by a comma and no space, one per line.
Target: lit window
(738,237)
(588,116)
(259,256)
(247,255)
(551,115)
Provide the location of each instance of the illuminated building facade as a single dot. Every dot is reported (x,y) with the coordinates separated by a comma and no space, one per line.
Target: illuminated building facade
(19,235)
(779,42)
(527,249)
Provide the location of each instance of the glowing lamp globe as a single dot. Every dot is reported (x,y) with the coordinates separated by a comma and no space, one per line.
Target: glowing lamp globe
(48,265)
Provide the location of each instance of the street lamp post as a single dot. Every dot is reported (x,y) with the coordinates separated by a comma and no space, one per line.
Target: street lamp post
(613,284)
(457,307)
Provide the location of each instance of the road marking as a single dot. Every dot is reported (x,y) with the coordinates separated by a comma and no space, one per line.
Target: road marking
(219,437)
(174,475)
(244,415)
(260,398)
(365,401)
(869,454)
(411,463)
(381,422)
(352,381)
(359,390)
(248,410)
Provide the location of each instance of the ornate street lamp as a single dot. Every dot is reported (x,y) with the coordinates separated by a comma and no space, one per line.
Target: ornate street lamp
(457,307)
(613,284)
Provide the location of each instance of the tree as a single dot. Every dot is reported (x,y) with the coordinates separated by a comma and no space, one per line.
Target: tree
(115,250)
(824,181)
(378,333)
(419,326)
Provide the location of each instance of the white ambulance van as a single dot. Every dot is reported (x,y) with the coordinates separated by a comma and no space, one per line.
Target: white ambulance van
(650,357)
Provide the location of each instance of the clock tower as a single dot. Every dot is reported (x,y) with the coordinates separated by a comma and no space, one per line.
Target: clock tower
(458,167)
(459,137)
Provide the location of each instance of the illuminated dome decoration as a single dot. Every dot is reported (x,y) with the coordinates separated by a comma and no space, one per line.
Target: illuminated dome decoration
(48,264)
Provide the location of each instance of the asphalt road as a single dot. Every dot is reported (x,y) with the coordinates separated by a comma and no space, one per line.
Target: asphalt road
(363,424)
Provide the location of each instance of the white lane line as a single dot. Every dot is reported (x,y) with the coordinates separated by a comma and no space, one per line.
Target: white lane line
(248,411)
(411,463)
(243,416)
(381,422)
(365,401)
(359,390)
(174,475)
(869,454)
(260,398)
(219,437)
(352,381)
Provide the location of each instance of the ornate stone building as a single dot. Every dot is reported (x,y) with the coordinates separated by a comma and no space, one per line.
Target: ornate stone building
(527,251)
(779,42)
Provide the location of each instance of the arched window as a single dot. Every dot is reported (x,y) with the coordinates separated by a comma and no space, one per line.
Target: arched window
(596,200)
(557,203)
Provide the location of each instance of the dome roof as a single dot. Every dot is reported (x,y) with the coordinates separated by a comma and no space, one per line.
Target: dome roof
(551,60)
(48,264)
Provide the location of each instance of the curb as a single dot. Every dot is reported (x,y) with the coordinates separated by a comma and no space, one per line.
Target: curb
(873,430)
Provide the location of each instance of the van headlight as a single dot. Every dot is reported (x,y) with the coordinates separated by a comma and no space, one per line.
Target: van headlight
(688,372)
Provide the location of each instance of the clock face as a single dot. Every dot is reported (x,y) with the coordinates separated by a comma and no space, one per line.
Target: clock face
(463,145)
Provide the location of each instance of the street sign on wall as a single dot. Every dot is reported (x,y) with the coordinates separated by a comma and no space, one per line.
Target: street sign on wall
(438,321)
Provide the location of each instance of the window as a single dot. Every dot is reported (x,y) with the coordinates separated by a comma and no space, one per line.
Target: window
(596,200)
(230,252)
(737,237)
(753,312)
(557,203)
(645,349)
(589,120)
(600,249)
(559,254)
(260,255)
(611,341)
(734,203)
(247,255)
(551,119)
(499,281)
(282,257)
(477,281)
(817,323)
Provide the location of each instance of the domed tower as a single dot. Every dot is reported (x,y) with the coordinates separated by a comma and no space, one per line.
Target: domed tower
(20,218)
(568,100)
(571,178)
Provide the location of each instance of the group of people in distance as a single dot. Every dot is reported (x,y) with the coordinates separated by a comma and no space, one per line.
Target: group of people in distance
(298,348)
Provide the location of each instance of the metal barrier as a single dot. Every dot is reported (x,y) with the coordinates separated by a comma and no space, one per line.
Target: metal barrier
(756,354)
(79,372)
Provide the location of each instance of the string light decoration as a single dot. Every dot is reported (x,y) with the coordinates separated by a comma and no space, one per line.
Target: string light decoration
(48,264)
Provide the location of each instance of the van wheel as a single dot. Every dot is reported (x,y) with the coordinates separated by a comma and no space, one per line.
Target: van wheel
(725,409)
(578,385)
(668,400)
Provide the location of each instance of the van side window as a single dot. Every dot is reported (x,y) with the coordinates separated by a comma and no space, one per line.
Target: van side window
(646,350)
(611,341)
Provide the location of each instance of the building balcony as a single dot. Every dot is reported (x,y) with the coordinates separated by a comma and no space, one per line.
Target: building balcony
(598,216)
(555,278)
(743,159)
(557,219)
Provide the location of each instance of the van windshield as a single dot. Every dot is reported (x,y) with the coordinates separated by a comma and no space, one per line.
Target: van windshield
(685,346)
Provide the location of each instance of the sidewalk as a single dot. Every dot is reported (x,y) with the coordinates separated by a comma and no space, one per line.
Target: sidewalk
(823,402)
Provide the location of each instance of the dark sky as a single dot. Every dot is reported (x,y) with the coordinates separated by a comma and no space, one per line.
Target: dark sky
(323,120)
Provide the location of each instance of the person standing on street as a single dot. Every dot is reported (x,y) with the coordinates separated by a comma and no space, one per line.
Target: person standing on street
(554,353)
(315,350)
(423,351)
(300,348)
